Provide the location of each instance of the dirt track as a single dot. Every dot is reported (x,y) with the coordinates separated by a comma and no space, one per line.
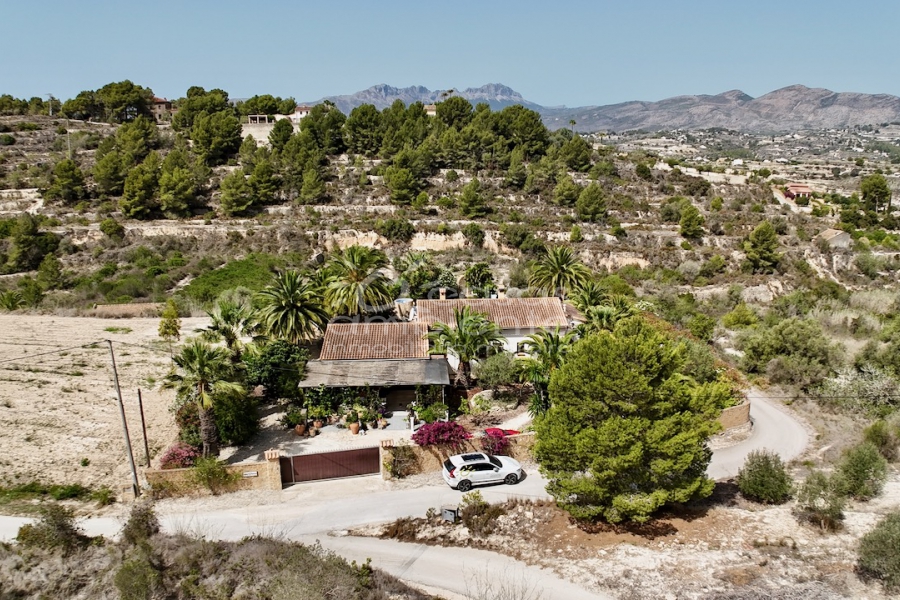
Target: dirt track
(58,409)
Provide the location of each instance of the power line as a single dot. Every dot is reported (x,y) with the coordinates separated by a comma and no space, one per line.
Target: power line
(58,350)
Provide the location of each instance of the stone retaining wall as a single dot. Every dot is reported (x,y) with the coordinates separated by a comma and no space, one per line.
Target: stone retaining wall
(735,416)
(254,476)
(431,458)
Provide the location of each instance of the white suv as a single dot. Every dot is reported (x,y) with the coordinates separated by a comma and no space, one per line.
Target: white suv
(462,471)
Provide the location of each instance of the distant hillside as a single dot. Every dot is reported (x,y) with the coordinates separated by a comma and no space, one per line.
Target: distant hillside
(792,108)
(381,96)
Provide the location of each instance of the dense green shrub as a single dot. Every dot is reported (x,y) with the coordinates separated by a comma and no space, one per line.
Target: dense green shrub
(479,517)
(862,471)
(212,474)
(55,528)
(497,370)
(879,552)
(794,351)
(142,524)
(137,579)
(820,501)
(763,478)
(237,418)
(112,228)
(740,317)
(396,230)
(880,435)
(253,273)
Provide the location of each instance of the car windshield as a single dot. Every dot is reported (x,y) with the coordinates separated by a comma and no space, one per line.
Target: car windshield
(495,461)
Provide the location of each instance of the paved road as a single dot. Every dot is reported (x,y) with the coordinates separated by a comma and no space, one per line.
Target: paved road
(314,511)
(773,429)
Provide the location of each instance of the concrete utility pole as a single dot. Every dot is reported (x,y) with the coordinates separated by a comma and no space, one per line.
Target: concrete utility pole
(134,477)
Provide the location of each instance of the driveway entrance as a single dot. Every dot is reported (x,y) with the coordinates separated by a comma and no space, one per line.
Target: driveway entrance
(329,465)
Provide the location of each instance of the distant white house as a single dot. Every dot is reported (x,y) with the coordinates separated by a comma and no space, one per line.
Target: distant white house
(299,113)
(835,238)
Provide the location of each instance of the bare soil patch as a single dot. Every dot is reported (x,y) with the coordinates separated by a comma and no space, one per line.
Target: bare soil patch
(58,410)
(725,547)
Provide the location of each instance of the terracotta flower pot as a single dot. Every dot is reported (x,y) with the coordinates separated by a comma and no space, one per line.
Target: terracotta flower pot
(317,423)
(353,427)
(300,428)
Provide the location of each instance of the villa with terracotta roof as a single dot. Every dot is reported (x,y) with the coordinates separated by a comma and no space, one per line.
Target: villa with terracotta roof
(395,356)
(517,317)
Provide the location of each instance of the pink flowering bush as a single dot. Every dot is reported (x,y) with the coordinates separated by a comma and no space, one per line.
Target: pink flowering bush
(441,433)
(179,456)
(494,443)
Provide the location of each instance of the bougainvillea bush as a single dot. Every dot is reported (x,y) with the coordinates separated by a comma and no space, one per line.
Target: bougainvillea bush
(494,443)
(179,456)
(441,433)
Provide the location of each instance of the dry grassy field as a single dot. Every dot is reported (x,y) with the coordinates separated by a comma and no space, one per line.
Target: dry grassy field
(58,413)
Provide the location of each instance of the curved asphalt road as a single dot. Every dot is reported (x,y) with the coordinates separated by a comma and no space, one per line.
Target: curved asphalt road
(316,511)
(773,429)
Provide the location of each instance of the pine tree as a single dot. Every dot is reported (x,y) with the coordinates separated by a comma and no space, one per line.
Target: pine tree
(626,431)
(762,248)
(691,223)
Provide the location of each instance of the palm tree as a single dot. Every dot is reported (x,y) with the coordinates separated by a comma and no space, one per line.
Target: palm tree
(588,294)
(548,349)
(558,272)
(292,309)
(205,374)
(471,335)
(356,284)
(605,316)
(230,322)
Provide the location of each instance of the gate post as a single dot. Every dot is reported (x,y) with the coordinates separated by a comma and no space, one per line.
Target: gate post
(273,470)
(385,451)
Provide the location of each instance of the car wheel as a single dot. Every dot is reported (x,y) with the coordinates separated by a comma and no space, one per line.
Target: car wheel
(464,486)
(511,479)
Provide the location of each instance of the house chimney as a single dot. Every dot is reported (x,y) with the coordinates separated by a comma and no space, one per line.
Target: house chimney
(442,293)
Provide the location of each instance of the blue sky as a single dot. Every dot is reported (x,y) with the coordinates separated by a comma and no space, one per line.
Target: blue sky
(554,52)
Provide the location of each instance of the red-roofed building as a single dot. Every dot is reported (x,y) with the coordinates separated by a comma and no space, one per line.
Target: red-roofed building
(161,109)
(797,190)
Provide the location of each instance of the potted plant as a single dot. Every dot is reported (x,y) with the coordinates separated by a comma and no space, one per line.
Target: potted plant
(382,421)
(318,414)
(352,419)
(295,419)
(369,418)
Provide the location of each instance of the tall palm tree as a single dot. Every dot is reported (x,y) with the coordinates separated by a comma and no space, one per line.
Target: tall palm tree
(292,309)
(548,349)
(205,374)
(230,321)
(558,272)
(356,284)
(470,335)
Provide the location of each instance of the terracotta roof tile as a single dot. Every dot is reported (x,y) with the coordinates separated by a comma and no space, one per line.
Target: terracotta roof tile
(359,341)
(508,313)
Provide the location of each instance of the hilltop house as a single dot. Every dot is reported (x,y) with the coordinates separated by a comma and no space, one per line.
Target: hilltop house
(161,109)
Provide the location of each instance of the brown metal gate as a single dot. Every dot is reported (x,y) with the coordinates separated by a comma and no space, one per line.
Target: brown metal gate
(330,465)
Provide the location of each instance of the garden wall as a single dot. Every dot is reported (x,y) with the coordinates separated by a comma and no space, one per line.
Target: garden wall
(735,416)
(253,476)
(431,458)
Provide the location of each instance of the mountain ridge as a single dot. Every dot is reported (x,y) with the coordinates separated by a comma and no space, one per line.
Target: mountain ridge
(794,107)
